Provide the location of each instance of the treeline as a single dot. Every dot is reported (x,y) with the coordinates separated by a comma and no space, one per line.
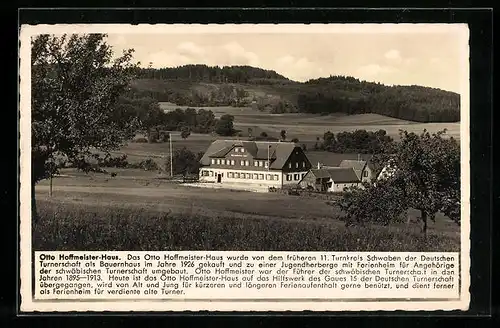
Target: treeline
(204,73)
(351,96)
(359,141)
(221,95)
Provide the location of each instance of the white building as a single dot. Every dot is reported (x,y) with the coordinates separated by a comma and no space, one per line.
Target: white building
(235,163)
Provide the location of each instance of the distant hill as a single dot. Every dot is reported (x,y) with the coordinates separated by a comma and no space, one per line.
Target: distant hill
(266,90)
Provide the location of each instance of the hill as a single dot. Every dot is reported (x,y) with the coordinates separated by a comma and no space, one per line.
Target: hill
(268,91)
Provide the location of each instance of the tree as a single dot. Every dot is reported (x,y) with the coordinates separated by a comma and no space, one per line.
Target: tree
(295,140)
(185,132)
(224,126)
(379,204)
(184,162)
(263,134)
(74,94)
(426,177)
(283,135)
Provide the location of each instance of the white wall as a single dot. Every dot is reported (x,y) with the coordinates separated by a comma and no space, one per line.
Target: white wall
(229,176)
(339,187)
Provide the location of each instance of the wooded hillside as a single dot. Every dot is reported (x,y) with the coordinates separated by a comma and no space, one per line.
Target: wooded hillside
(201,85)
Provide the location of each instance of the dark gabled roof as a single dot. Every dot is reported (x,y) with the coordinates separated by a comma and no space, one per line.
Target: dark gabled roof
(337,174)
(279,152)
(358,166)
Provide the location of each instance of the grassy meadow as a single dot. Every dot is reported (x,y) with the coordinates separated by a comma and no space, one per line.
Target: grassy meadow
(141,211)
(305,127)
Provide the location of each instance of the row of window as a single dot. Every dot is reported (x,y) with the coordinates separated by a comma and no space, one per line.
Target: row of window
(265,164)
(295,177)
(219,161)
(256,176)
(296,165)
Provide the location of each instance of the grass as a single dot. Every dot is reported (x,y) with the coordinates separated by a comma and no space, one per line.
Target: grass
(137,211)
(80,227)
(306,127)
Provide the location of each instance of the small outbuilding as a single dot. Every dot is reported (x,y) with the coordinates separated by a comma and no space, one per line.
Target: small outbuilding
(330,179)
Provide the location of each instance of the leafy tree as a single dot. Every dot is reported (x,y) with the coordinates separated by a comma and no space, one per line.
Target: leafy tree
(185,132)
(378,204)
(426,177)
(224,126)
(184,162)
(74,94)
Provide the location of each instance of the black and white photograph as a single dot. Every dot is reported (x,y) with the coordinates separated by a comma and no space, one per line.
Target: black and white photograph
(248,141)
(337,138)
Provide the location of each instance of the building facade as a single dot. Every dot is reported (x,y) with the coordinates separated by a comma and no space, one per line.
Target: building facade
(350,173)
(254,164)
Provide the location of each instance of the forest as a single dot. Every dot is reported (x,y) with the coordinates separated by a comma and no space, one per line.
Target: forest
(202,85)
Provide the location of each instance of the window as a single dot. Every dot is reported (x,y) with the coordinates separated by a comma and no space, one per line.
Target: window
(276,177)
(223,162)
(218,161)
(242,163)
(268,177)
(232,162)
(242,150)
(255,176)
(249,175)
(247,163)
(236,149)
(304,164)
(266,164)
(289,165)
(365,173)
(211,173)
(260,163)
(255,163)
(204,173)
(296,176)
(213,161)
(297,165)
(237,175)
(288,177)
(261,176)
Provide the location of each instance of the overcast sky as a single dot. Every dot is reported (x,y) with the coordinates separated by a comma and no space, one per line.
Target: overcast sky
(429,58)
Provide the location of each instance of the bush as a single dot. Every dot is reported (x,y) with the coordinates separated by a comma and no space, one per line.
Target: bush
(147,165)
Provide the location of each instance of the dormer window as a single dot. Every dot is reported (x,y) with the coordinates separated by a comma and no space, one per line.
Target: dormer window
(213,161)
(218,161)
(236,149)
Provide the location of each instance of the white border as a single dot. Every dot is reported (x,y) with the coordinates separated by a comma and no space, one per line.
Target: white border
(27,303)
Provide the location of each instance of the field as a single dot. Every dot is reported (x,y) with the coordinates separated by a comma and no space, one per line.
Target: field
(305,127)
(138,210)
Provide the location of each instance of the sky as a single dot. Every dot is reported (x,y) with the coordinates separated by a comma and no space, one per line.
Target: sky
(429,57)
